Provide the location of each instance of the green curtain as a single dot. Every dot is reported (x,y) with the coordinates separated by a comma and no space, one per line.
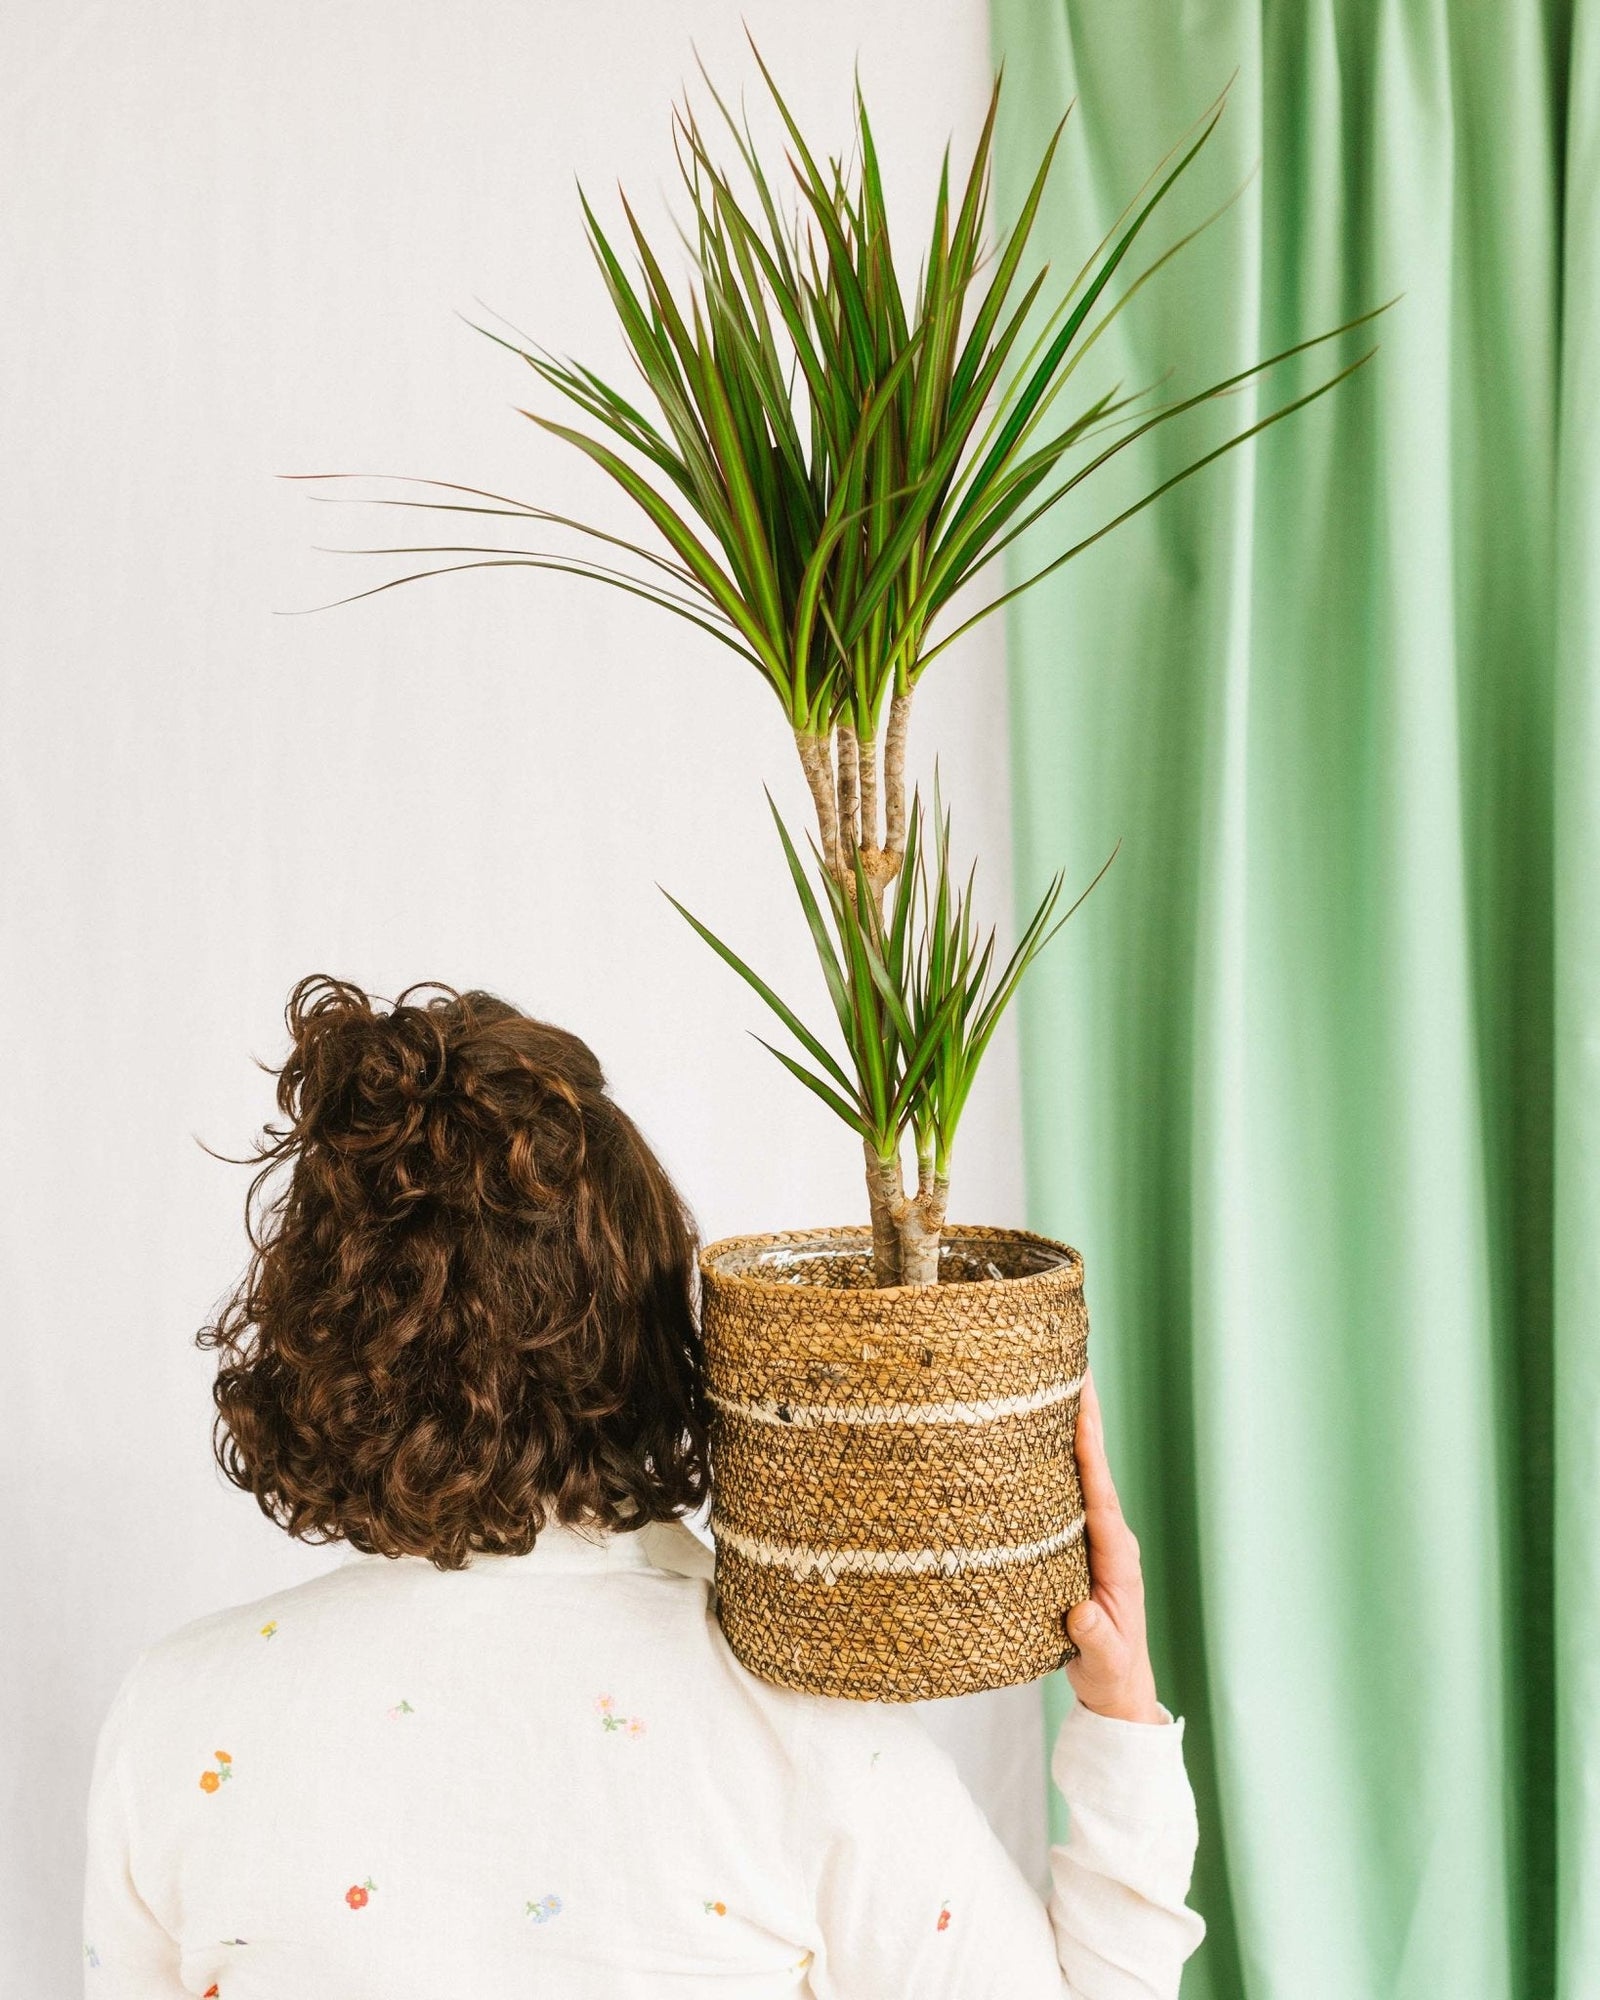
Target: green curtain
(1311,1080)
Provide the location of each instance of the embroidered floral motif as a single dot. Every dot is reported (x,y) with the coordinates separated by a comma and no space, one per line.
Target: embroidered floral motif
(716,1909)
(211,1781)
(944,1918)
(400,1708)
(211,1992)
(269,1628)
(359,1892)
(544,1909)
(606,1708)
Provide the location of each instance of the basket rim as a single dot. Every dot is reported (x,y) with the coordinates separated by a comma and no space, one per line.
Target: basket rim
(1068,1261)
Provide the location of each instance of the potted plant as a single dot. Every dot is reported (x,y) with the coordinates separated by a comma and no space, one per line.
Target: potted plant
(834,457)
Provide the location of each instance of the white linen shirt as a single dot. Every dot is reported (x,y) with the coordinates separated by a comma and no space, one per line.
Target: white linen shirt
(547,1775)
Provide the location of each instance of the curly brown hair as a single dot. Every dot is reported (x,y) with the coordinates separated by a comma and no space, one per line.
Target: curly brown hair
(471,1303)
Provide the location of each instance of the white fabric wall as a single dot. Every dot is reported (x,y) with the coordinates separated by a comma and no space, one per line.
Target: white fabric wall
(235,242)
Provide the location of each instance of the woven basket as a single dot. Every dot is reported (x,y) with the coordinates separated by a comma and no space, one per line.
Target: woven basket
(895,1499)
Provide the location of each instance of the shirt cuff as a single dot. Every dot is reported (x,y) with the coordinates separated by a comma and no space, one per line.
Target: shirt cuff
(1132,1770)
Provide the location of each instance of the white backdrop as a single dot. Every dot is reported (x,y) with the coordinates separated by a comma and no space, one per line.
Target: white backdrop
(235,242)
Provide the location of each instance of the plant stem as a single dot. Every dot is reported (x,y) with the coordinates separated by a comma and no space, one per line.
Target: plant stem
(881,864)
(816,764)
(921,1225)
(868,762)
(849,791)
(886,1196)
(894,775)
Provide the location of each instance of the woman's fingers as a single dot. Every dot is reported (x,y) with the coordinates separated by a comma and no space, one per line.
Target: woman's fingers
(1094,1469)
(1112,1670)
(1113,1552)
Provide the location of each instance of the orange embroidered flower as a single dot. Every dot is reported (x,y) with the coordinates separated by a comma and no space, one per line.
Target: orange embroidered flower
(357,1894)
(210,1780)
(716,1909)
(211,1992)
(944,1918)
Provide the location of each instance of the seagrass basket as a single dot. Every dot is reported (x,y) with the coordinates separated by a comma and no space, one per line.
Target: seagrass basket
(895,1499)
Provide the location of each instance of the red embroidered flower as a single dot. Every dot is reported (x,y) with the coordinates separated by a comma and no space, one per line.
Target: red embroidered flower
(211,1991)
(355,1896)
(944,1918)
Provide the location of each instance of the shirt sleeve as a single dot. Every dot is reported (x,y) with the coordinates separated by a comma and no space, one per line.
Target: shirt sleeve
(127,1954)
(913,1892)
(1119,1880)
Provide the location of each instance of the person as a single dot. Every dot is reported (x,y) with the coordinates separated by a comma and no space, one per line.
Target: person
(502,1746)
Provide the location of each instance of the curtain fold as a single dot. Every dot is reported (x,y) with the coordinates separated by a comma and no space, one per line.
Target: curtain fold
(1312,1077)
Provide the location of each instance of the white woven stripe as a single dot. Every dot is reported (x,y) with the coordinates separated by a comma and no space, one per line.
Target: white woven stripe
(831,1563)
(801,1416)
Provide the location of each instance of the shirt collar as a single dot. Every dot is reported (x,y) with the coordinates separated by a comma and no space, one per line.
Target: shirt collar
(559,1548)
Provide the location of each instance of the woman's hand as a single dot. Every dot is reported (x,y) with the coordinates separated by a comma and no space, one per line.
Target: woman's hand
(1112,1673)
